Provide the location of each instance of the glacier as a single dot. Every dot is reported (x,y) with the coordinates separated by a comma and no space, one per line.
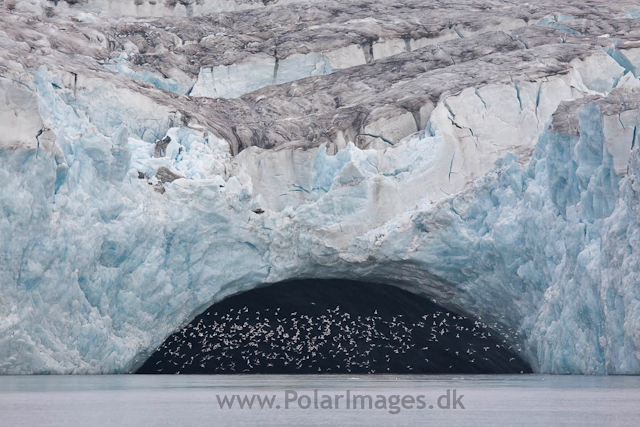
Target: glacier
(495,173)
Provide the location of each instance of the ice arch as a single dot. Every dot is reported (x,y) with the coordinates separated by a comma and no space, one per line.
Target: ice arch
(100,263)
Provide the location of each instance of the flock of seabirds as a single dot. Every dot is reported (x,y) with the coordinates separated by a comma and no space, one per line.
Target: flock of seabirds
(335,327)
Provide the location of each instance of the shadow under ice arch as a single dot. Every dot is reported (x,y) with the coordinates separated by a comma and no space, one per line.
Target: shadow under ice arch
(334,326)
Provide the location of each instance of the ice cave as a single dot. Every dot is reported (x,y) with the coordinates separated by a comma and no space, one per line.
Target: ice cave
(337,327)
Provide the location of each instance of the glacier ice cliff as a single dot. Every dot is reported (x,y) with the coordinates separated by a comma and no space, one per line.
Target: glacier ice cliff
(487,163)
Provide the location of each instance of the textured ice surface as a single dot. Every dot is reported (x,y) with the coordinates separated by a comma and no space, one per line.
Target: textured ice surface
(169,84)
(497,176)
(127,8)
(235,80)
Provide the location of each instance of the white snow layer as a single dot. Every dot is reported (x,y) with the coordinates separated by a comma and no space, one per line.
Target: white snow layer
(97,268)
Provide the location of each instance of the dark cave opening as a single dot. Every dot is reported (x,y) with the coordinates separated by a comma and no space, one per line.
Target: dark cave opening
(335,327)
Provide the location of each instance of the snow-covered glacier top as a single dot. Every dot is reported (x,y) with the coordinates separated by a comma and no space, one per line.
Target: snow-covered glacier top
(484,155)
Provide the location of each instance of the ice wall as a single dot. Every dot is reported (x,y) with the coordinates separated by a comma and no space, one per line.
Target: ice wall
(235,80)
(104,256)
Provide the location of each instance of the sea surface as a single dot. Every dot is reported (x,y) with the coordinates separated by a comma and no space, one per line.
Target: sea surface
(308,400)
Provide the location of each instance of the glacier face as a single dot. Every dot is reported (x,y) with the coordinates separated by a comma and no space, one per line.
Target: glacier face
(508,192)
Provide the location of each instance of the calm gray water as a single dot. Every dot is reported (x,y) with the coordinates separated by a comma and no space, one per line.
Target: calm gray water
(492,400)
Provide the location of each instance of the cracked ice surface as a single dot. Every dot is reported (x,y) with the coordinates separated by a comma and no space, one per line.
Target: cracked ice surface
(512,195)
